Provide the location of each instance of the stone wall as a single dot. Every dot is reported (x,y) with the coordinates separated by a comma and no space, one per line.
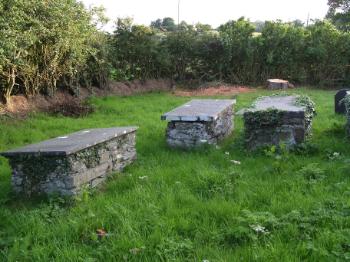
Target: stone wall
(67,175)
(192,134)
(275,127)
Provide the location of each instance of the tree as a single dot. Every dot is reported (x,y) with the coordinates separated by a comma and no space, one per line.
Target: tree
(42,45)
(259,26)
(166,24)
(237,39)
(339,13)
(136,52)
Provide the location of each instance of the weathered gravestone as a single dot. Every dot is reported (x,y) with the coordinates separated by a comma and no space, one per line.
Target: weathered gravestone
(338,101)
(278,120)
(199,122)
(66,164)
(346,101)
(278,84)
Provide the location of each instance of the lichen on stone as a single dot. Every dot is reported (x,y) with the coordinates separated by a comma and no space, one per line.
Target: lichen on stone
(187,135)
(36,174)
(265,125)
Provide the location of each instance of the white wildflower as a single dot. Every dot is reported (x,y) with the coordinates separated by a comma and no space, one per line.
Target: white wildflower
(259,229)
(235,162)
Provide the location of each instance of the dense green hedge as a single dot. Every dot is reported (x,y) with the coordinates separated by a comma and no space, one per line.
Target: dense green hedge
(57,44)
(317,55)
(44,44)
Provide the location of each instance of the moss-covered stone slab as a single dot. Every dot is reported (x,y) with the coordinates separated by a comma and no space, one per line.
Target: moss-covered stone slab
(277,120)
(205,121)
(66,164)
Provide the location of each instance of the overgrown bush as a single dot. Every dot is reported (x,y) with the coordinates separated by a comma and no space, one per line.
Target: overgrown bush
(318,54)
(57,44)
(43,43)
(71,108)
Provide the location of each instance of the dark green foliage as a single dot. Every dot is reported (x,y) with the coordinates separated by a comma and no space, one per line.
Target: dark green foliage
(266,118)
(165,24)
(339,13)
(310,108)
(317,55)
(64,49)
(137,52)
(44,44)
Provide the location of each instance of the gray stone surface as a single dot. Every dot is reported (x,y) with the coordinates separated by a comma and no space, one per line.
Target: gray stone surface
(199,122)
(206,110)
(277,120)
(35,171)
(68,144)
(281,103)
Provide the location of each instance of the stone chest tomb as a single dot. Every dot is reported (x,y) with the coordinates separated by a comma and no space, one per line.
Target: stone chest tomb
(66,164)
(278,120)
(198,122)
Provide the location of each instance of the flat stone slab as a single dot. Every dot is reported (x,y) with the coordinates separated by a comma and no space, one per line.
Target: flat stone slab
(206,110)
(281,103)
(70,144)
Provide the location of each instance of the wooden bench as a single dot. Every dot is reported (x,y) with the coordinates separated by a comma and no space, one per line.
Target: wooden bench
(198,122)
(66,164)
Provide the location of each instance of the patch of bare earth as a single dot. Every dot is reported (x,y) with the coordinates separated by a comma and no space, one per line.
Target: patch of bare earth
(216,91)
(65,104)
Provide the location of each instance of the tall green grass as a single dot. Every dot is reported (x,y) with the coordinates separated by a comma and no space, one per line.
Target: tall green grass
(174,205)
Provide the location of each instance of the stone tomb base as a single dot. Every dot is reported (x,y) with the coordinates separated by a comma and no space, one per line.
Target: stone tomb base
(199,122)
(278,120)
(67,164)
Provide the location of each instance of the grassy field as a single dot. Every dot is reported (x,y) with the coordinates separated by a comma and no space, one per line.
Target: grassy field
(175,205)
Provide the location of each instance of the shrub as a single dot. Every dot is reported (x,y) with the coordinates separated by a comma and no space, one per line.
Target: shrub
(42,45)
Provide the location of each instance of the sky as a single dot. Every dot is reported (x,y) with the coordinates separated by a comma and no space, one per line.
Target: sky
(211,12)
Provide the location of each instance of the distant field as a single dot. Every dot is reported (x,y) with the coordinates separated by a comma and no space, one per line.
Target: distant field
(197,205)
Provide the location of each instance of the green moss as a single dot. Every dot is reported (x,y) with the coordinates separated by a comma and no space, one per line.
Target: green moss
(90,156)
(266,118)
(37,168)
(310,110)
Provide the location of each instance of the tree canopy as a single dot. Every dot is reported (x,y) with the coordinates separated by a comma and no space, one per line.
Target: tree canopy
(339,13)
